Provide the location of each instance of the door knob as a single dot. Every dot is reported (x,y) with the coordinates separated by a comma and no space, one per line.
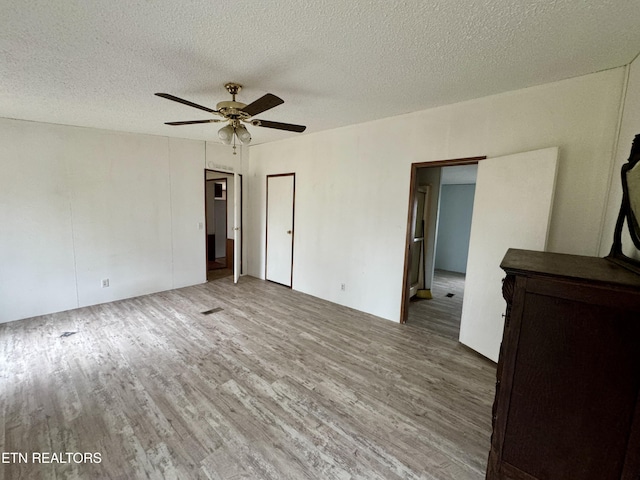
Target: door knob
(289,232)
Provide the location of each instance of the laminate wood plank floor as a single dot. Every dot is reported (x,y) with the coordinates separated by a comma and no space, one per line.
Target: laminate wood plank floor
(270,384)
(440,314)
(219,273)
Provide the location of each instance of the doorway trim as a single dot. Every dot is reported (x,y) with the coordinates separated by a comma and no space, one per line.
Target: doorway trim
(404,304)
(227,175)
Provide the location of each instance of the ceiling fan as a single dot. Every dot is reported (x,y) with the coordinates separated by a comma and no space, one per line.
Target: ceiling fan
(237,113)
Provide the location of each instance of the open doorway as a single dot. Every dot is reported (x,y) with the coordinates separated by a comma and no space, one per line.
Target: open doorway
(511,209)
(439,223)
(438,306)
(220,225)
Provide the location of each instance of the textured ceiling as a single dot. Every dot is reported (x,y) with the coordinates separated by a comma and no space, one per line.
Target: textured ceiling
(334,62)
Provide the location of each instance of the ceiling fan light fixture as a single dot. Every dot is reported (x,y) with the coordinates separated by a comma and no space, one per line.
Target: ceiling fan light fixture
(226,134)
(243,134)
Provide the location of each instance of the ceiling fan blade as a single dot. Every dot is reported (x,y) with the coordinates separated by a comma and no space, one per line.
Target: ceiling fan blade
(279,126)
(190,122)
(185,102)
(262,104)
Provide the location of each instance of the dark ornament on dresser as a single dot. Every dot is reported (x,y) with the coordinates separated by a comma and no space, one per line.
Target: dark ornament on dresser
(629,210)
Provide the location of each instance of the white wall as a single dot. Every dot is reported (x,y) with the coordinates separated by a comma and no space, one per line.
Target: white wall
(80,205)
(352,184)
(187,211)
(454,227)
(629,128)
(37,257)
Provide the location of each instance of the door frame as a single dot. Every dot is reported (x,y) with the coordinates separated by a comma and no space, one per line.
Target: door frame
(239,227)
(206,212)
(266,226)
(228,175)
(406,281)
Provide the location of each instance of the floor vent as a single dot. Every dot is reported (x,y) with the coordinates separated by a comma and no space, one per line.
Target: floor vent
(449,295)
(68,334)
(213,310)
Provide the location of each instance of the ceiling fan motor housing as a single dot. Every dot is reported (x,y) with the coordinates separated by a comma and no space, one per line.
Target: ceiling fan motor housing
(232,109)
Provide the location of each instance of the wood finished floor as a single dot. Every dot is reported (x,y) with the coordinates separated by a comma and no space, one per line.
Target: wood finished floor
(219,273)
(275,385)
(440,314)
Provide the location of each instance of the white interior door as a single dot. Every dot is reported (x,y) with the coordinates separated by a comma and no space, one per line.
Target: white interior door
(511,209)
(237,227)
(280,202)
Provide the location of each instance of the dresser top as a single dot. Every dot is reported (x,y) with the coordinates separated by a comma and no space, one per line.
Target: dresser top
(593,269)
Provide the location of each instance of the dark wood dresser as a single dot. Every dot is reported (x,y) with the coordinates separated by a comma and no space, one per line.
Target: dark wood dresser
(567,403)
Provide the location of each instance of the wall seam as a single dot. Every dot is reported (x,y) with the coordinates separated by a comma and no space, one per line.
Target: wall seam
(173,253)
(614,155)
(73,237)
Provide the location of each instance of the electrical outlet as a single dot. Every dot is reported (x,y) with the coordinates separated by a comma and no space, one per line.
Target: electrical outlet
(200,226)
(105,283)
(343,287)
